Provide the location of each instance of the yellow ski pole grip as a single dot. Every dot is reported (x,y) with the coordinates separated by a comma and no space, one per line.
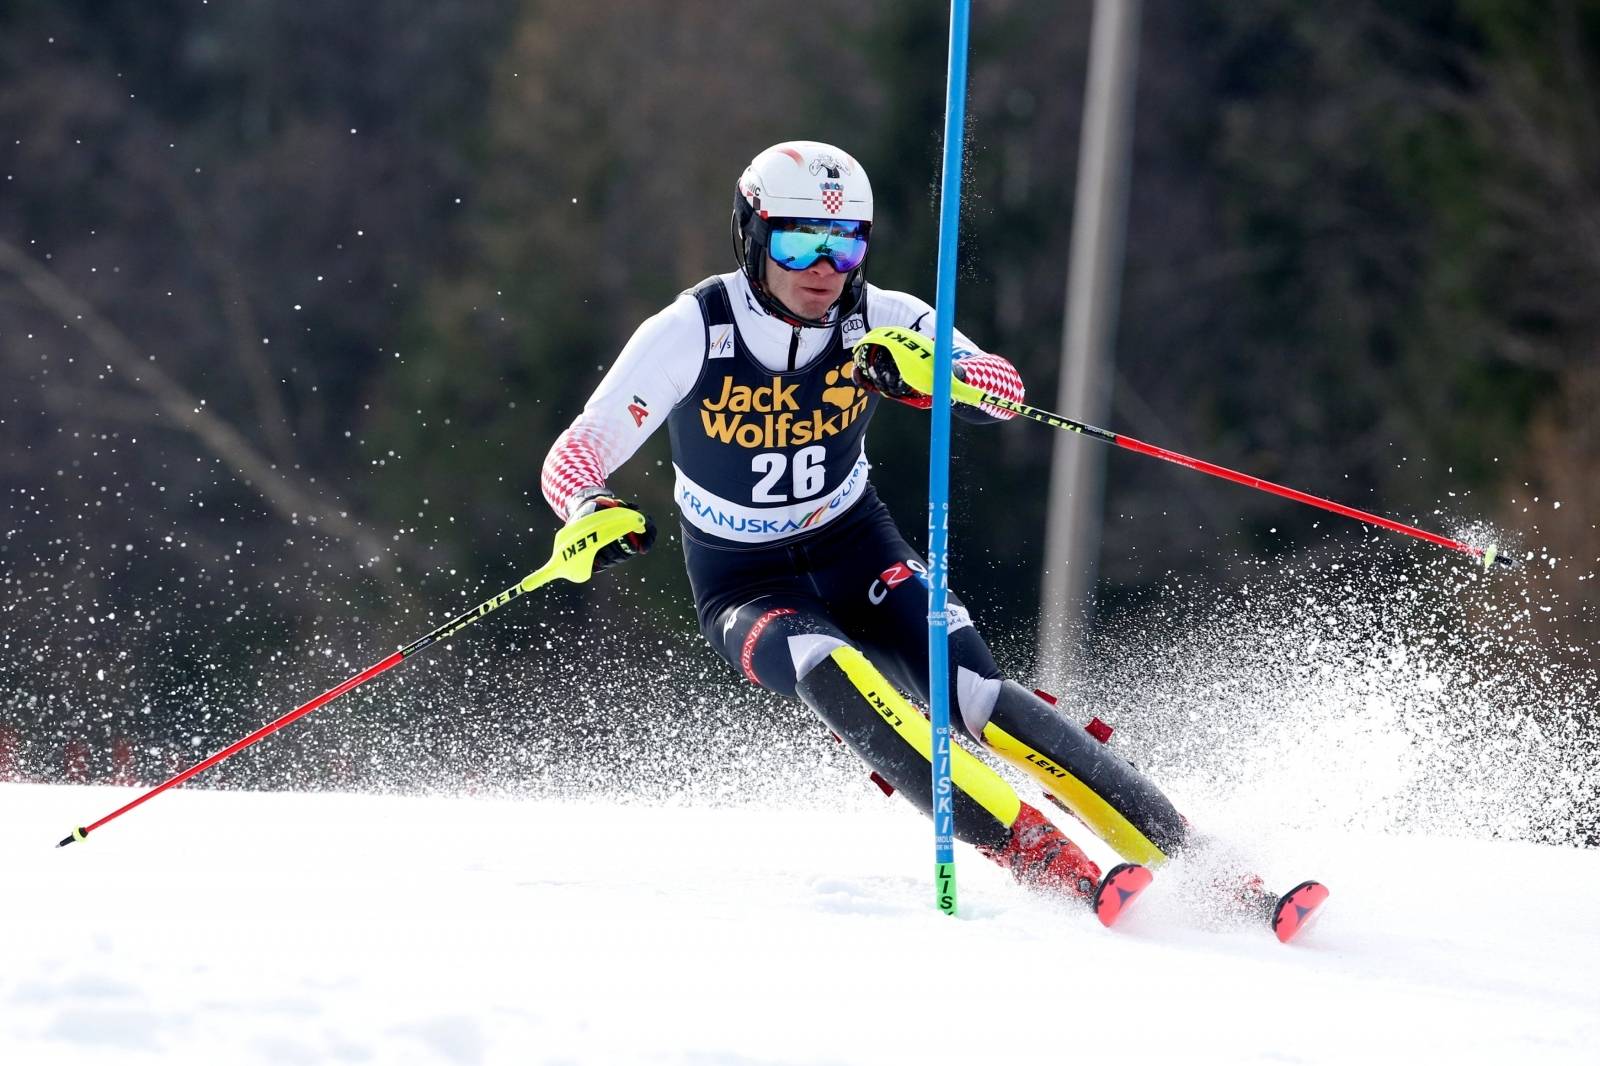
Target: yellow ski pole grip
(913,358)
(572,558)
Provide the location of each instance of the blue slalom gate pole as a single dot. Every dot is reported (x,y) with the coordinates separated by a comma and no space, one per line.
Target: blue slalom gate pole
(944,805)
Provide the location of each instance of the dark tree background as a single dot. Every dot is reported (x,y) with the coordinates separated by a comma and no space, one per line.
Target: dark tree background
(293,299)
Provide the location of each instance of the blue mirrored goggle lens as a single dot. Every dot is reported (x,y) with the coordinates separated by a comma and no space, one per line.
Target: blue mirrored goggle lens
(800,242)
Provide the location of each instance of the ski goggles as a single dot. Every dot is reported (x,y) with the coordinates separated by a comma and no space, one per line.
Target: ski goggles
(797,243)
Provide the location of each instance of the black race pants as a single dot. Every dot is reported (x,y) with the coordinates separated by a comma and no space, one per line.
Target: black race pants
(855,580)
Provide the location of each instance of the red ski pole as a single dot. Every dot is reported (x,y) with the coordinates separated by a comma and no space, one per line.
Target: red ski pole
(914,359)
(572,559)
(1488,556)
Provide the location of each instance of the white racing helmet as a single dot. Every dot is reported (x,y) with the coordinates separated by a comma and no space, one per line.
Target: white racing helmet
(812,182)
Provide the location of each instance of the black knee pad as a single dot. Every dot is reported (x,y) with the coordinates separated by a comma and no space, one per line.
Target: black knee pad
(755,638)
(1105,792)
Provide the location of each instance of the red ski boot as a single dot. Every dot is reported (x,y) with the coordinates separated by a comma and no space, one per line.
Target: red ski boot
(1252,897)
(1289,915)
(1040,856)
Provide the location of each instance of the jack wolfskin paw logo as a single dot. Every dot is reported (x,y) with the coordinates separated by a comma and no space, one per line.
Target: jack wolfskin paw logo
(841,396)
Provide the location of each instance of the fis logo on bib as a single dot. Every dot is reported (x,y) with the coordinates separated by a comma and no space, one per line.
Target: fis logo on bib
(770,416)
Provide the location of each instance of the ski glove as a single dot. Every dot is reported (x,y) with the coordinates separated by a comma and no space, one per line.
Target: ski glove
(618,551)
(875,371)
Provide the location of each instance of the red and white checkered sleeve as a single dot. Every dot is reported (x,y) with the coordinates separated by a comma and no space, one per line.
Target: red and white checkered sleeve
(994,374)
(577,461)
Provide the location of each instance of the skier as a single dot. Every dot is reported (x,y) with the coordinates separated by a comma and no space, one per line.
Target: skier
(801,580)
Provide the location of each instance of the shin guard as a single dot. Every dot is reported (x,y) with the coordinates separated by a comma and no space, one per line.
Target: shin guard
(879,724)
(1118,803)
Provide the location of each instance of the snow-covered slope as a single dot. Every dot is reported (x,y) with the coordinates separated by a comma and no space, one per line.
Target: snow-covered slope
(214,927)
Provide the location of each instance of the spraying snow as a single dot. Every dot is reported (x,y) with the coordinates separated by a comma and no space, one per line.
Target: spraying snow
(708,878)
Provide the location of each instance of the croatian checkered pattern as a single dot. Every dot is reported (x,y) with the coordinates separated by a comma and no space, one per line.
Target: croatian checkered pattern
(993,373)
(833,200)
(576,462)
